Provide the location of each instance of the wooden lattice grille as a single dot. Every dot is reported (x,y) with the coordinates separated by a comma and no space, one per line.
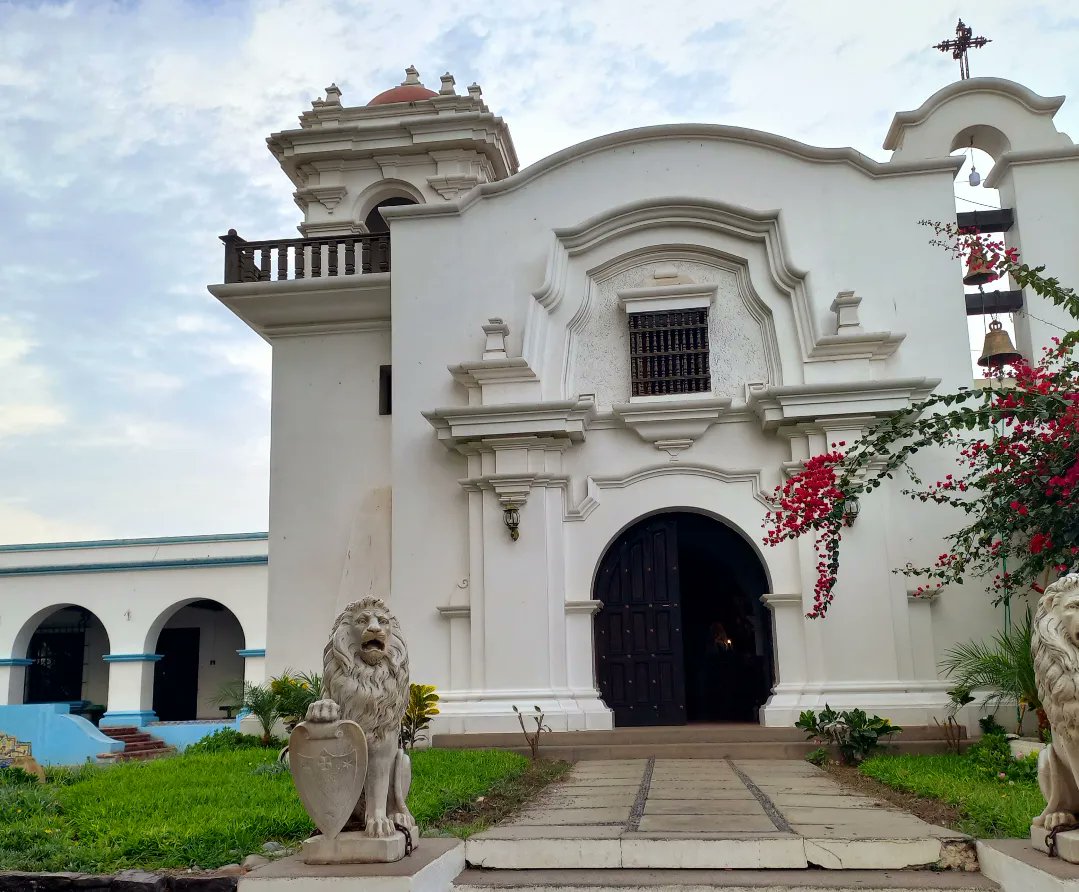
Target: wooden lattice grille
(669,352)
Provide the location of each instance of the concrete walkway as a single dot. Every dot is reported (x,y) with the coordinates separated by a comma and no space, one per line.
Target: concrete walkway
(703,813)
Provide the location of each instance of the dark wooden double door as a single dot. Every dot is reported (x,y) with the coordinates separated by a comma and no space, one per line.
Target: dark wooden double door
(638,633)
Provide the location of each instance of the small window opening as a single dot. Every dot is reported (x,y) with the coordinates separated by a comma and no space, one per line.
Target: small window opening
(669,352)
(385,390)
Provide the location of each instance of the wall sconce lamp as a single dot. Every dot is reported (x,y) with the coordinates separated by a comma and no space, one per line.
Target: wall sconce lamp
(511,516)
(850,511)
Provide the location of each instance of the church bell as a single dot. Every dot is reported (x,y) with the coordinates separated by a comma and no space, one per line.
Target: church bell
(978,271)
(998,349)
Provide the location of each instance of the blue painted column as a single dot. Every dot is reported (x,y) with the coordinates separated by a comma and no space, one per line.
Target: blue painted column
(131,689)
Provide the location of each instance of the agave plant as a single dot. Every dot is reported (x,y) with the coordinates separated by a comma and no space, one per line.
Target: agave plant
(1004,666)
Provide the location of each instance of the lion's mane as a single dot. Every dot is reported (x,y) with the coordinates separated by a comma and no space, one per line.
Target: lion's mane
(1056,658)
(374,697)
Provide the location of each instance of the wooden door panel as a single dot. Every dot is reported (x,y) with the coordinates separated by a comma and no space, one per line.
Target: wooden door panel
(638,631)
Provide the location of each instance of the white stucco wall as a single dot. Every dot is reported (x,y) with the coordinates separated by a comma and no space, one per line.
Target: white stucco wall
(780,229)
(134,588)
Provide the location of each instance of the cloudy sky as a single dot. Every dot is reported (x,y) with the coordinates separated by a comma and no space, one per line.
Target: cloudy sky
(132,135)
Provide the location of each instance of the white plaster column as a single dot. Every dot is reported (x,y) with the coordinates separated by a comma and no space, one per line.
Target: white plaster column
(920,613)
(789,647)
(13,679)
(131,689)
(254,664)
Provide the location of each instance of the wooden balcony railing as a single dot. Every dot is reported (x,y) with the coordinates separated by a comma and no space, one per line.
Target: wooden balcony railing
(304,258)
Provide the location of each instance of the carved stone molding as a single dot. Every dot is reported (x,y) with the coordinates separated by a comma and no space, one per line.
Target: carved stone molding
(671,425)
(328,196)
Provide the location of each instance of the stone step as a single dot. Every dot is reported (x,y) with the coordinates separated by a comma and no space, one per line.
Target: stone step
(550,749)
(629,880)
(603,848)
(712,734)
(145,755)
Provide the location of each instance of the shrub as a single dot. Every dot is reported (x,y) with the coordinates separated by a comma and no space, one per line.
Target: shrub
(227,740)
(10,776)
(818,757)
(422,707)
(992,758)
(855,734)
(294,693)
(1004,666)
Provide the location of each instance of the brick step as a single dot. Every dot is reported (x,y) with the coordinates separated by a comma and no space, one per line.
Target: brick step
(132,738)
(585,753)
(631,880)
(144,746)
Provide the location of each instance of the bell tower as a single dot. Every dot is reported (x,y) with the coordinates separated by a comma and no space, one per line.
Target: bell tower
(408,145)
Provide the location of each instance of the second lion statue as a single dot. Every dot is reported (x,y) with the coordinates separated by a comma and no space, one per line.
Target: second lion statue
(1055,649)
(365,680)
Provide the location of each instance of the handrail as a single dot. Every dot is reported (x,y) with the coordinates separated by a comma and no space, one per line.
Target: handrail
(298,258)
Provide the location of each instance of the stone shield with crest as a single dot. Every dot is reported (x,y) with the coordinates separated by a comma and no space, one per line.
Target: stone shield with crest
(329,765)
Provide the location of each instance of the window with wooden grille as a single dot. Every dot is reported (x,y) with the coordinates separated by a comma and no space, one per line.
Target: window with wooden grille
(669,352)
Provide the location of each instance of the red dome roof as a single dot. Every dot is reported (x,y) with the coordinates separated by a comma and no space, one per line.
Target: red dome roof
(403,93)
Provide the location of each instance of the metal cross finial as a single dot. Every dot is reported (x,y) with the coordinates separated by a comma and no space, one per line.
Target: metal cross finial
(964,40)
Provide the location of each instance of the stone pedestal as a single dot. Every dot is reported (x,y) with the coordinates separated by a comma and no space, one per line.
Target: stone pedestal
(430,868)
(353,848)
(1067,843)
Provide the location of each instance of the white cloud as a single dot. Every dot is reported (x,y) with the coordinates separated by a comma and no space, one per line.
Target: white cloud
(134,134)
(27,402)
(19,524)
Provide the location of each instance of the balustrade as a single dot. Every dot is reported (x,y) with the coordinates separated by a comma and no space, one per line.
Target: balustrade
(304,258)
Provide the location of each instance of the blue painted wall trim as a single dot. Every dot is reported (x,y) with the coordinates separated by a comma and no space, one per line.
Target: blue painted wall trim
(127,719)
(117,543)
(252,652)
(132,658)
(55,736)
(15,661)
(176,564)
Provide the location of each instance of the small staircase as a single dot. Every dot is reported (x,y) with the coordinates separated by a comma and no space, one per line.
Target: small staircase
(699,741)
(138,745)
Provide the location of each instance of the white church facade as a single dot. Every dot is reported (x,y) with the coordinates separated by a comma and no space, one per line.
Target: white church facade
(541,411)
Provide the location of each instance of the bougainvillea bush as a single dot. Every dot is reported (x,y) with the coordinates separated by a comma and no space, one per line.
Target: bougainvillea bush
(1016,473)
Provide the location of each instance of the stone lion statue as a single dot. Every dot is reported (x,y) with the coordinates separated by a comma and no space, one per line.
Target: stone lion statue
(1055,648)
(365,680)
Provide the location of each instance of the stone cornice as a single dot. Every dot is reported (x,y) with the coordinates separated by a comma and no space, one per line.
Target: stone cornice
(1017,158)
(310,306)
(1042,105)
(691,133)
(418,129)
(796,403)
(493,371)
(459,426)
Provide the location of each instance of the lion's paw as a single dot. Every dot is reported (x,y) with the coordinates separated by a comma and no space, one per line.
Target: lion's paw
(380,827)
(1057,819)
(405,819)
(323,711)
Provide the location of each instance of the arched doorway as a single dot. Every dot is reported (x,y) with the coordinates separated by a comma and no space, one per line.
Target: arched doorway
(682,635)
(67,648)
(198,647)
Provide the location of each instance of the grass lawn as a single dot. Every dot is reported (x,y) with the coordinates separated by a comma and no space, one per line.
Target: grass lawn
(988,808)
(212,809)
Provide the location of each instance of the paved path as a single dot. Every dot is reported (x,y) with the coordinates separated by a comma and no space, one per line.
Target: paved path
(709,813)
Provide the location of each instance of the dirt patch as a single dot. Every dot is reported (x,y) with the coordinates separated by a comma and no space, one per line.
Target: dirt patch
(932,811)
(501,801)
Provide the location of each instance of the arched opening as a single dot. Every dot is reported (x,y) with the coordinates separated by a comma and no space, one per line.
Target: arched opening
(374,222)
(980,147)
(682,635)
(198,646)
(66,648)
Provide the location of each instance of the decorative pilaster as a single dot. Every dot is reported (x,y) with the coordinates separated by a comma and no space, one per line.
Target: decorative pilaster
(13,679)
(254,664)
(131,689)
